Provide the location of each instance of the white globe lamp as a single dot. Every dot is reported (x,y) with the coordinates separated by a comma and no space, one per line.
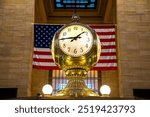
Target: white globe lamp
(105,90)
(47,90)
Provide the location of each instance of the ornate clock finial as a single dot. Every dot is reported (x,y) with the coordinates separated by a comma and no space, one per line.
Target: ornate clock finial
(75,18)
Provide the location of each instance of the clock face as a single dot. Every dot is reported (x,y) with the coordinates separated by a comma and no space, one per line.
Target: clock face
(75,40)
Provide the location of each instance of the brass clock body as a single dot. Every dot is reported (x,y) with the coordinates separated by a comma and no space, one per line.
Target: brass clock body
(76,49)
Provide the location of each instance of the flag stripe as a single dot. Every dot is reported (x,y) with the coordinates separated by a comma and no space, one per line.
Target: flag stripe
(100,61)
(53,64)
(108,47)
(42,49)
(105,64)
(107,40)
(108,50)
(42,53)
(47,50)
(107,57)
(102,27)
(105,30)
(107,43)
(107,36)
(46,67)
(108,61)
(102,54)
(104,68)
(105,33)
(108,54)
(44,63)
(103,57)
(42,58)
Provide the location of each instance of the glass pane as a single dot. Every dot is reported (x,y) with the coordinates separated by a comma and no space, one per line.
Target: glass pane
(59,5)
(86,4)
(91,6)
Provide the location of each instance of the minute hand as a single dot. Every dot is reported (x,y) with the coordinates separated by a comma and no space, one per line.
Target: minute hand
(66,38)
(79,34)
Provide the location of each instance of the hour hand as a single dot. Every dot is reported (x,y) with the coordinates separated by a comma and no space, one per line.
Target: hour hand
(74,39)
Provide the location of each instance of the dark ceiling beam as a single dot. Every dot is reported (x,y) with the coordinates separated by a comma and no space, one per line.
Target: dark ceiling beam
(67,19)
(102,7)
(110,13)
(40,12)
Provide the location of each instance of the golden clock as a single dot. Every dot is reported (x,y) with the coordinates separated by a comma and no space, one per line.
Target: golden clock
(76,49)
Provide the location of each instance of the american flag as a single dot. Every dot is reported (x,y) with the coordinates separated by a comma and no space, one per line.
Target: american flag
(43,35)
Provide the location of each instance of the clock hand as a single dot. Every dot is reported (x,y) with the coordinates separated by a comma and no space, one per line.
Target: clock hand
(79,34)
(76,37)
(73,38)
(66,38)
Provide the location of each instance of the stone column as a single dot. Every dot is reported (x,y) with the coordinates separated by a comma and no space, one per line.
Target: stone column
(133,23)
(16,45)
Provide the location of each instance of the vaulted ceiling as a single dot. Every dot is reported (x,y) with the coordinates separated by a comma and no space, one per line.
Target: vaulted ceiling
(103,12)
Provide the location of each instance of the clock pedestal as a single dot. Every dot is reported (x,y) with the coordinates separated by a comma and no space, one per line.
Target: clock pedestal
(76,86)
